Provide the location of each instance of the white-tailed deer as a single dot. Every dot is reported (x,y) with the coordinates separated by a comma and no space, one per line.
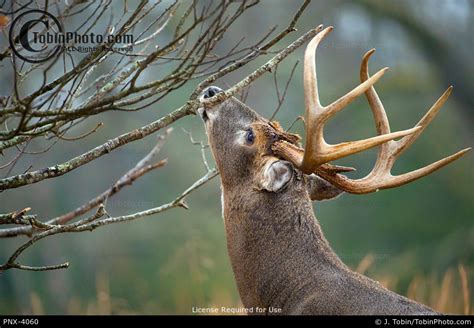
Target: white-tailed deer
(279,255)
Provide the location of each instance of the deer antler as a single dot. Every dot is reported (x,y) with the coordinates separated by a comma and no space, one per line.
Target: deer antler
(318,152)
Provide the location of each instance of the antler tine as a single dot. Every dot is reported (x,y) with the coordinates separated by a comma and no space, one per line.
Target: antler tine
(310,81)
(317,151)
(378,112)
(380,177)
(407,141)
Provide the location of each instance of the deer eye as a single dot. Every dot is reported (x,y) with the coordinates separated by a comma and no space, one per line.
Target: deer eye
(249,136)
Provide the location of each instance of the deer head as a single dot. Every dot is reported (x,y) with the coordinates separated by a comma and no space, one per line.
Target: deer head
(279,255)
(241,141)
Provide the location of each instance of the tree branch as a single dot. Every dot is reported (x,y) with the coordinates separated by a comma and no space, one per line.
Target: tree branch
(93,222)
(142,167)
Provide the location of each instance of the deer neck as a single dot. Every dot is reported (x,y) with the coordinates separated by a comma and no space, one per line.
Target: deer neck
(268,236)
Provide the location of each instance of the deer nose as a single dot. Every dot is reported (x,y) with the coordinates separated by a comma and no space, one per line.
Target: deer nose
(210,92)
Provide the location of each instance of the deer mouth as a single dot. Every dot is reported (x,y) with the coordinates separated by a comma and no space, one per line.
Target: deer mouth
(203,113)
(209,92)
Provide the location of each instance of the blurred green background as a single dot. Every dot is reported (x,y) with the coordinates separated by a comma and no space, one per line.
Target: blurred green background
(415,239)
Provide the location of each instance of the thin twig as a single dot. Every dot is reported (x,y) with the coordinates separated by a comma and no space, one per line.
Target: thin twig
(281,98)
(201,145)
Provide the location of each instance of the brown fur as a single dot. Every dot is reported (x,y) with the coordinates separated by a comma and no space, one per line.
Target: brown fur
(278,252)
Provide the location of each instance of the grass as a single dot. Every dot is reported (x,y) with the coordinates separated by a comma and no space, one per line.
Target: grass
(449,293)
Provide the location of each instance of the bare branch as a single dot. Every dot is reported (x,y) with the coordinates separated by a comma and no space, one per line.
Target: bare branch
(93,222)
(141,168)
(63,168)
(33,268)
(290,28)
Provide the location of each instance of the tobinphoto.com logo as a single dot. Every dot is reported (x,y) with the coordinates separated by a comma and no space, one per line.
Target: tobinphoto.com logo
(36,36)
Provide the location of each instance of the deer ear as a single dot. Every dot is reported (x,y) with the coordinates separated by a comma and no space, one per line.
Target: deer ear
(320,189)
(275,176)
